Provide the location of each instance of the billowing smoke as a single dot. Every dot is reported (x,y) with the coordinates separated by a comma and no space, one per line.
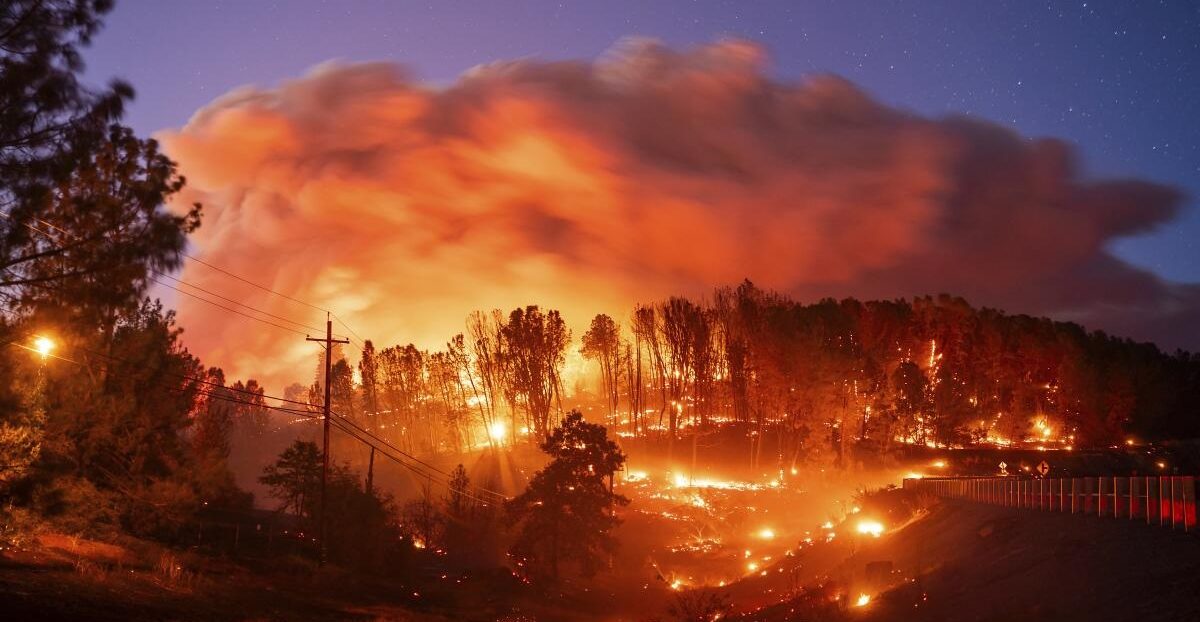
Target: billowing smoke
(586,186)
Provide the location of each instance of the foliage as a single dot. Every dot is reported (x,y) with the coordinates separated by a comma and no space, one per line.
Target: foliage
(295,478)
(567,512)
(362,522)
(602,343)
(97,439)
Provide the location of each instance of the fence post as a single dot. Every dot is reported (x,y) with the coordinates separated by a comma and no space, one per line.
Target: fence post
(1176,504)
(1152,505)
(1134,496)
(1189,502)
(1119,509)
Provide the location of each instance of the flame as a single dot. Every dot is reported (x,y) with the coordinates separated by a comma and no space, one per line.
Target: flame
(863,600)
(43,346)
(873,528)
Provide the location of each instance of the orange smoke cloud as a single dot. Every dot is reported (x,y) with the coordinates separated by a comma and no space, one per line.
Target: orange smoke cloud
(589,186)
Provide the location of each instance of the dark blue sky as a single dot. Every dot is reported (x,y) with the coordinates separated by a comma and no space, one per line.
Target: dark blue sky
(1121,79)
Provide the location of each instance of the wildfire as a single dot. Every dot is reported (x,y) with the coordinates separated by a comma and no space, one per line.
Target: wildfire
(863,600)
(870,527)
(636,476)
(498,431)
(766,533)
(43,346)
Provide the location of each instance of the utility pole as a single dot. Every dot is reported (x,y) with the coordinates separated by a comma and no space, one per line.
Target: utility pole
(328,341)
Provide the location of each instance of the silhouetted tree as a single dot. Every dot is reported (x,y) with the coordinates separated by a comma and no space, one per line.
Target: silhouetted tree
(602,343)
(567,513)
(295,477)
(535,346)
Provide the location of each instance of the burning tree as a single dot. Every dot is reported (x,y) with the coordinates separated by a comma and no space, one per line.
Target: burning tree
(602,343)
(536,343)
(567,512)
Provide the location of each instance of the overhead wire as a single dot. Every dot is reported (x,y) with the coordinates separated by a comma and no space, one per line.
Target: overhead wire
(344,423)
(269,314)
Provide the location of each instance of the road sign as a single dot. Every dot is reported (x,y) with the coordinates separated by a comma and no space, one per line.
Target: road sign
(1003,468)
(1043,468)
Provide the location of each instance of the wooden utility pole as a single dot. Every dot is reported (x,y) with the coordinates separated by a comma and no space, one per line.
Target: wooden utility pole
(328,340)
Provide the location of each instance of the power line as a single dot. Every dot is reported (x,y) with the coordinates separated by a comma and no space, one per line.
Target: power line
(252,283)
(238,303)
(426,470)
(197,287)
(220,306)
(343,422)
(371,435)
(446,484)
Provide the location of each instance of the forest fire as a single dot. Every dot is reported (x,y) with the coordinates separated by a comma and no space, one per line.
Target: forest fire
(634,334)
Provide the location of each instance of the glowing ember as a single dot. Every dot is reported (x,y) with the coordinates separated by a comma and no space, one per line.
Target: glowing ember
(874,528)
(863,600)
(752,566)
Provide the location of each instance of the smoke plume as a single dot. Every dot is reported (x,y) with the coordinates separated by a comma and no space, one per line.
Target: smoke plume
(587,186)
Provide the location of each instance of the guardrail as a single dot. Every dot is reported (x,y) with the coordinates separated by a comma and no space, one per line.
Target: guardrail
(1167,501)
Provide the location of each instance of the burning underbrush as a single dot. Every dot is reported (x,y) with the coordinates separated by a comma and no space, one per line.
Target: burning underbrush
(740,541)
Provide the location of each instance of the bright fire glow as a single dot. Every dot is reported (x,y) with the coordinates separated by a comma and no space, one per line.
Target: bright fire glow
(44,346)
(766,533)
(497,431)
(874,528)
(913,476)
(635,476)
(862,601)
(939,464)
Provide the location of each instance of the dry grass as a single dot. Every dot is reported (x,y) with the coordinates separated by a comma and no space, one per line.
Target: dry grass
(171,571)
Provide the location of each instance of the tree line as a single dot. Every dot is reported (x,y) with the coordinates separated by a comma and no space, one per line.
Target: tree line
(802,381)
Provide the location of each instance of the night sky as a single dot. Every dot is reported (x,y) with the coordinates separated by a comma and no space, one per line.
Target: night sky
(1120,79)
